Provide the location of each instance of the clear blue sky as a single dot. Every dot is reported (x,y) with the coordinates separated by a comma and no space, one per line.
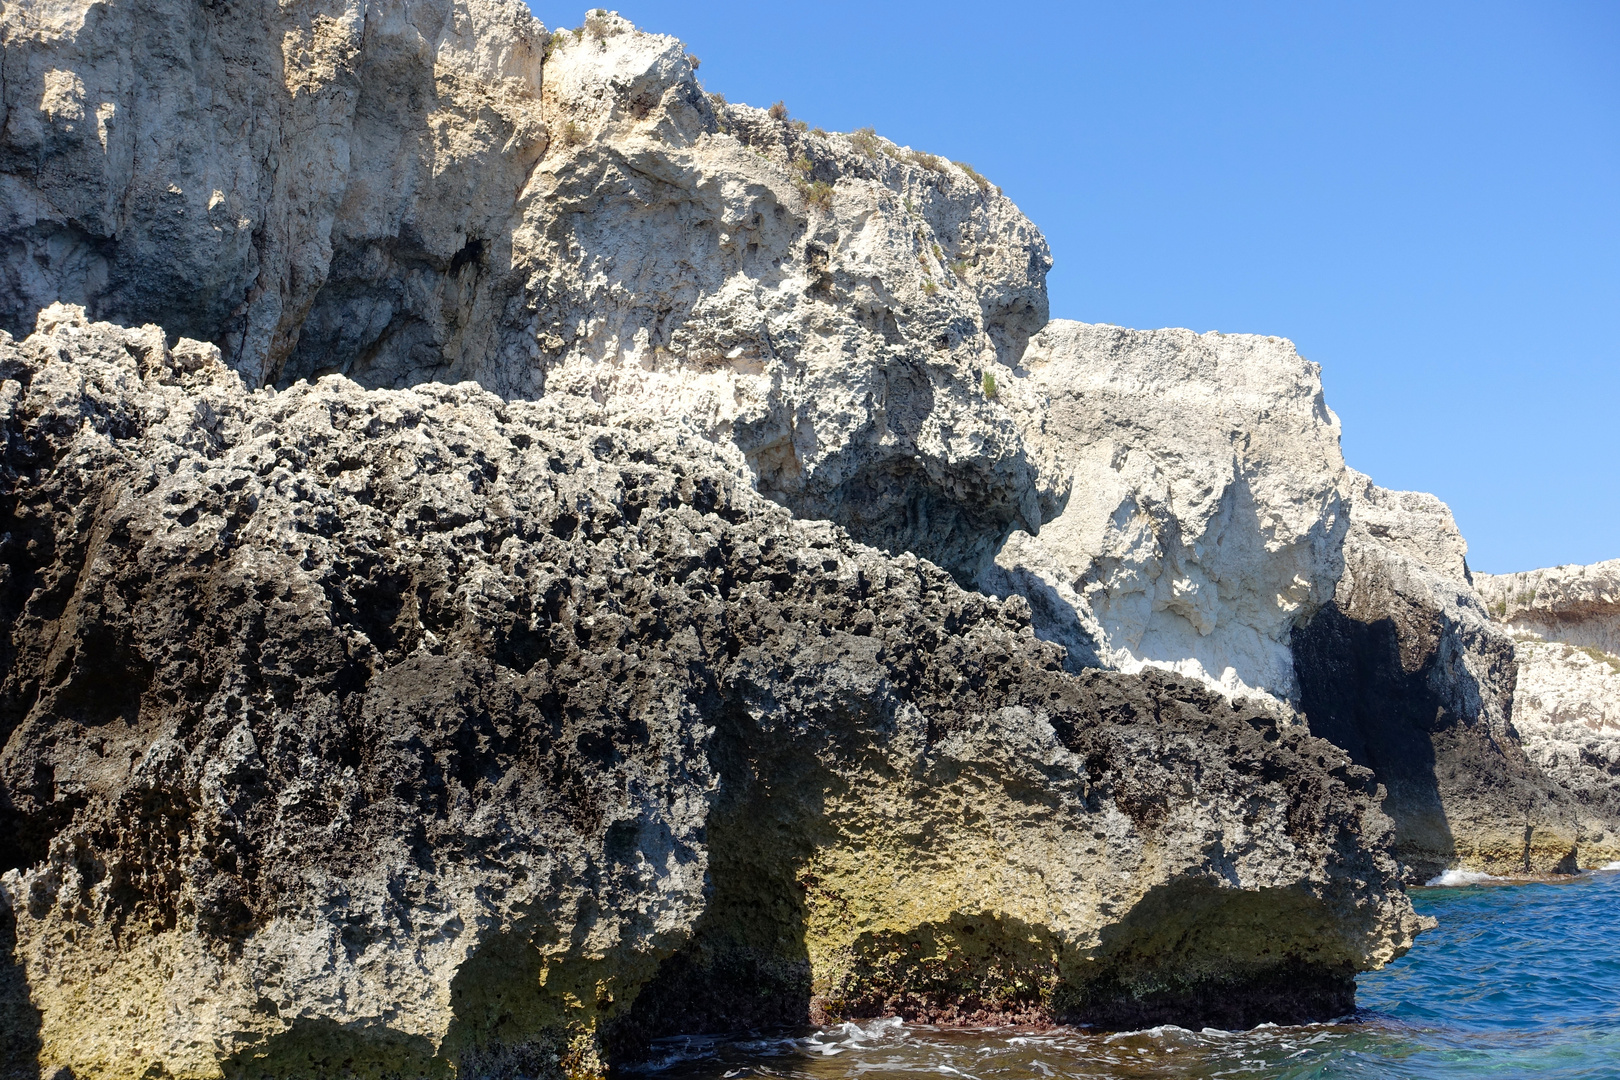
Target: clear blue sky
(1425,197)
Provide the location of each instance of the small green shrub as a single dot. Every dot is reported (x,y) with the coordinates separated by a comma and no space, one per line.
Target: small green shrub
(973,174)
(800,125)
(571,134)
(803,165)
(718,98)
(989,386)
(960,267)
(817,193)
(779,111)
(818,133)
(1601,657)
(596,24)
(927,161)
(694,61)
(865,140)
(929,288)
(556,41)
(939,256)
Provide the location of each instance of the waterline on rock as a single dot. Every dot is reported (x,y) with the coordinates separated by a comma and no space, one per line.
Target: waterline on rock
(1519,978)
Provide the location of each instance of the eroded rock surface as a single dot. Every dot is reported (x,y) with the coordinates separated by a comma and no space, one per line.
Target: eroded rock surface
(1406,671)
(1205,517)
(1576,605)
(1566,707)
(309,186)
(414,191)
(418,728)
(1212,529)
(1565,623)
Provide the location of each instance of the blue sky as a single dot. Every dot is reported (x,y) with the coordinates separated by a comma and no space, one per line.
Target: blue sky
(1424,197)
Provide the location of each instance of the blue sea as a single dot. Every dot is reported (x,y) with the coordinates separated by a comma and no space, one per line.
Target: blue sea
(1518,980)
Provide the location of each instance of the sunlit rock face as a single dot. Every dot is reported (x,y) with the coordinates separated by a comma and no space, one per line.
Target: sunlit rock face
(1212,529)
(419,730)
(1206,513)
(485,528)
(1576,605)
(405,192)
(1565,623)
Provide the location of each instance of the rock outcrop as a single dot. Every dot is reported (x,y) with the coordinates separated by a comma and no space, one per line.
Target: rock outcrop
(1406,671)
(485,523)
(295,183)
(1205,517)
(418,729)
(1576,605)
(1566,708)
(1212,529)
(1566,628)
(404,192)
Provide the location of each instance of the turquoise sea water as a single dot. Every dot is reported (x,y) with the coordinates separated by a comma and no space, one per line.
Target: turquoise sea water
(1517,981)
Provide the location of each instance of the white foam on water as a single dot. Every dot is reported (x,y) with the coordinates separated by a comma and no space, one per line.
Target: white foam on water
(1610,866)
(1453,878)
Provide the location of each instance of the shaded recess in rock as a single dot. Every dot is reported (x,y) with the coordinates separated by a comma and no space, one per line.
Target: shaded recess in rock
(1405,670)
(1359,695)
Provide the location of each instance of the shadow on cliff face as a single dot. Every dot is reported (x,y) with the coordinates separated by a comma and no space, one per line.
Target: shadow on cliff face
(747,965)
(1198,955)
(1456,793)
(319,1048)
(1358,694)
(19,1020)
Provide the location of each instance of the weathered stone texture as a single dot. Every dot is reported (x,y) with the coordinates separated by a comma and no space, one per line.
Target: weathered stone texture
(312,185)
(414,191)
(418,727)
(1565,623)
(1406,671)
(1205,517)
(1576,605)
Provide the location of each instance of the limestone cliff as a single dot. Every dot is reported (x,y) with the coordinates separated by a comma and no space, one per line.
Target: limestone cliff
(424,190)
(1205,516)
(418,729)
(485,522)
(1406,671)
(1577,605)
(1213,529)
(1566,628)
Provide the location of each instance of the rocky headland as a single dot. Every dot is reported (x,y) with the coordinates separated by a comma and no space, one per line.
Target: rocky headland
(510,555)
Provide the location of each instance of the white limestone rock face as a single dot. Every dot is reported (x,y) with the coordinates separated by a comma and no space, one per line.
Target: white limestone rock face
(1566,625)
(1566,708)
(1206,511)
(1576,605)
(1415,525)
(415,190)
(307,185)
(829,304)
